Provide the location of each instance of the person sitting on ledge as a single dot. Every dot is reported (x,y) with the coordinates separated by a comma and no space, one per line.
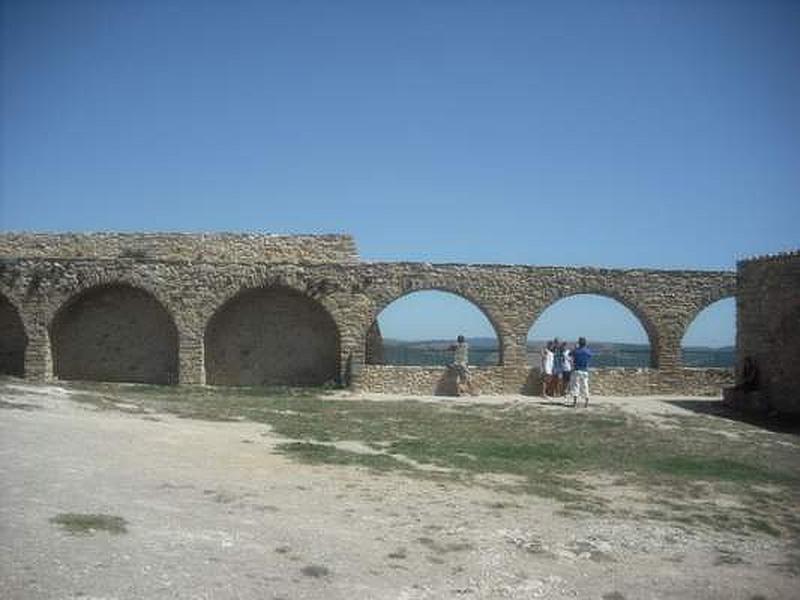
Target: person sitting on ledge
(749,376)
(460,366)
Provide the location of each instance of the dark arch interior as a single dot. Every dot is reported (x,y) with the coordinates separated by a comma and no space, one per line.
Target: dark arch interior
(419,327)
(271,336)
(115,333)
(13,340)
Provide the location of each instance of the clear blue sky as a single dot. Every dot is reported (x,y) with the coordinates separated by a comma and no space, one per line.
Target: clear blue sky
(636,133)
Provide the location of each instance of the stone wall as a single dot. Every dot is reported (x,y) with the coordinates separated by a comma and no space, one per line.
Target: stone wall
(273,336)
(203,247)
(768,328)
(115,333)
(350,293)
(438,381)
(433,381)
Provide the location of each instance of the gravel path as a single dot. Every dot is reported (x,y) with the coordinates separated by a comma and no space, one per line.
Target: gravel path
(212,513)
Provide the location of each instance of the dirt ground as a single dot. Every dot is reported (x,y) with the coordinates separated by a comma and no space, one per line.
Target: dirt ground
(212,513)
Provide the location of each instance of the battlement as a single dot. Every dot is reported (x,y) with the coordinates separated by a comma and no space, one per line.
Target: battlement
(777,257)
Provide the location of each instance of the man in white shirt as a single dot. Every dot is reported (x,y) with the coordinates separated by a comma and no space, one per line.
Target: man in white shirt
(460,366)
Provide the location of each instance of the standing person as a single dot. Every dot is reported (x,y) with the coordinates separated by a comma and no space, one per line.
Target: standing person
(460,365)
(567,368)
(558,367)
(581,357)
(547,368)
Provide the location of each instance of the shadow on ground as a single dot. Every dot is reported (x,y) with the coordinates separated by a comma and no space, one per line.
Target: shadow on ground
(773,422)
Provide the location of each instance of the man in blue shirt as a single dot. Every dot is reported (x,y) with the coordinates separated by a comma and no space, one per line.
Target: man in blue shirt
(579,381)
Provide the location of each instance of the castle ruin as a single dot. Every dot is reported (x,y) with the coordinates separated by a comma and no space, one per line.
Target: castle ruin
(240,309)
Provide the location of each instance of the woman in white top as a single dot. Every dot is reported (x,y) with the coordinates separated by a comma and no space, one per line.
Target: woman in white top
(547,368)
(567,370)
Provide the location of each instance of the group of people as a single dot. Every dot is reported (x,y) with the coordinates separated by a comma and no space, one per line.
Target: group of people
(565,372)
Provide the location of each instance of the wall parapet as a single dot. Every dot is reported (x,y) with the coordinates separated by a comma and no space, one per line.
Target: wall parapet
(612,381)
(191,247)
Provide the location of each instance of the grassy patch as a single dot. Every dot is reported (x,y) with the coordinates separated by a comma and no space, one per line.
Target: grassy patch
(711,468)
(86,524)
(17,405)
(315,571)
(555,454)
(325,454)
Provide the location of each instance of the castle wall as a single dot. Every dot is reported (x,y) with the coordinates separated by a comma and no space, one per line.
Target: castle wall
(768,327)
(330,306)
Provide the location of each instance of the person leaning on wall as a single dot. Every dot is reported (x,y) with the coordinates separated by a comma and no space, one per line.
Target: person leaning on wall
(460,366)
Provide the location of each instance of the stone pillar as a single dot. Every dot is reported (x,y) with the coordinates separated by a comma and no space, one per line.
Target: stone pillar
(515,349)
(191,358)
(666,351)
(374,345)
(38,355)
(352,352)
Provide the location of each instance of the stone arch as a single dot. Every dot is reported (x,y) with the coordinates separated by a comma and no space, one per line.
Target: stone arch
(692,320)
(372,335)
(114,332)
(13,339)
(647,324)
(272,335)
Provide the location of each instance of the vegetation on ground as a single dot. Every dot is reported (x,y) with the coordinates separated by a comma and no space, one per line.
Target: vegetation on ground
(85,524)
(685,466)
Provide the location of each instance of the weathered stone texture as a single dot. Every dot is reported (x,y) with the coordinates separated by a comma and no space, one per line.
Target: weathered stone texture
(510,380)
(437,381)
(200,247)
(115,333)
(271,336)
(334,302)
(768,327)
(373,353)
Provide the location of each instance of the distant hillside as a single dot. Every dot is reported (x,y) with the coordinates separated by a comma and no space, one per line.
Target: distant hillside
(483,351)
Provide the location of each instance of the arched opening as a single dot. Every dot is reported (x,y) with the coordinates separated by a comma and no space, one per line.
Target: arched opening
(710,339)
(13,340)
(613,332)
(271,336)
(419,328)
(115,332)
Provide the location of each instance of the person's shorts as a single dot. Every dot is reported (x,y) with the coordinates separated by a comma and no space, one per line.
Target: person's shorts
(462,371)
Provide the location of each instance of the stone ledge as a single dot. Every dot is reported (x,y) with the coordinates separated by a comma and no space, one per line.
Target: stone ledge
(435,380)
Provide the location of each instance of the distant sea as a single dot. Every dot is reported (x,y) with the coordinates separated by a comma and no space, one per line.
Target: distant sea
(483,352)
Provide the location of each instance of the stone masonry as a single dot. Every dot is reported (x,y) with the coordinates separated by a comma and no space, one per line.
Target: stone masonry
(768,330)
(246,309)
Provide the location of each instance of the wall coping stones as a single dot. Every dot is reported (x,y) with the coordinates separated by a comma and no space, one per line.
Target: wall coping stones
(787,255)
(183,247)
(546,268)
